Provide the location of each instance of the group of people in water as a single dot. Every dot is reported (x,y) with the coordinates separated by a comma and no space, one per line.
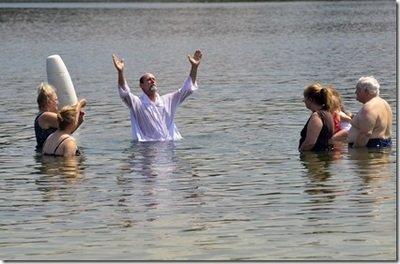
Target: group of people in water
(152,115)
(329,122)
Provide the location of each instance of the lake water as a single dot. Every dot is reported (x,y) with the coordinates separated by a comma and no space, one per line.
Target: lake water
(235,188)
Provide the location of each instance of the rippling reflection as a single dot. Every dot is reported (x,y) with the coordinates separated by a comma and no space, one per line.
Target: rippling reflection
(70,168)
(151,159)
(372,166)
(147,164)
(319,185)
(57,172)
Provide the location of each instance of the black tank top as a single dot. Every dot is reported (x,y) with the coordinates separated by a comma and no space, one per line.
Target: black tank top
(41,134)
(326,133)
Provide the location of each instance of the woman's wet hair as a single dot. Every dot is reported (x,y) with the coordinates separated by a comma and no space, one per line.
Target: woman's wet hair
(66,117)
(320,95)
(45,91)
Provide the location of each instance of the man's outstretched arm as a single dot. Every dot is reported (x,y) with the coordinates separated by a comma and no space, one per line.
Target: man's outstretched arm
(119,66)
(195,62)
(124,90)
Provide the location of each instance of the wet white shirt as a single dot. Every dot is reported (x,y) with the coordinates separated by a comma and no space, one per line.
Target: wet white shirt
(154,121)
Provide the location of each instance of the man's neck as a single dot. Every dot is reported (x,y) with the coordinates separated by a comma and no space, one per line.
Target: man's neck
(368,99)
(152,97)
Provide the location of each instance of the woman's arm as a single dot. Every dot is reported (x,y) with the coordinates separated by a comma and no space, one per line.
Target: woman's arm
(48,120)
(344,117)
(81,104)
(314,127)
(69,147)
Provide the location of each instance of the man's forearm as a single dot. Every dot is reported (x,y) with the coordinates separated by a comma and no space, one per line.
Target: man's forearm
(193,73)
(121,79)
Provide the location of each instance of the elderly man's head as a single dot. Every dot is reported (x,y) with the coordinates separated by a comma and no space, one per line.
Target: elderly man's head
(367,88)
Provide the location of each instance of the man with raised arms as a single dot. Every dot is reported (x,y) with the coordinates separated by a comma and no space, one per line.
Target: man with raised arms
(372,126)
(152,115)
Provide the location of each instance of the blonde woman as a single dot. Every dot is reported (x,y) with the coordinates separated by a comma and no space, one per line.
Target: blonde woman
(46,120)
(319,127)
(61,143)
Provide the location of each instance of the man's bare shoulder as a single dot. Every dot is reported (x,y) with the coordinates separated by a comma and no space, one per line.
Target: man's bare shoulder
(367,113)
(372,105)
(376,104)
(384,102)
(367,107)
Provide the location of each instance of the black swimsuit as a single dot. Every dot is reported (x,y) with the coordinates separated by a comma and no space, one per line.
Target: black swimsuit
(326,133)
(42,134)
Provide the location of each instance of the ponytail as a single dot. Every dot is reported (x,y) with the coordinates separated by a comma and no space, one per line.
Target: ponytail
(326,99)
(66,116)
(60,119)
(320,95)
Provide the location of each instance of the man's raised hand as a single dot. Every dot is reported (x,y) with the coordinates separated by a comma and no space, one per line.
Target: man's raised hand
(118,63)
(195,60)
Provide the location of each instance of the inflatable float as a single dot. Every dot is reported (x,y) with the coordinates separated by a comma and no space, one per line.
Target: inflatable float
(59,78)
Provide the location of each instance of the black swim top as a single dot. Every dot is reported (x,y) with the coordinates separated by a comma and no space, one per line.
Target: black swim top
(42,134)
(326,133)
(77,152)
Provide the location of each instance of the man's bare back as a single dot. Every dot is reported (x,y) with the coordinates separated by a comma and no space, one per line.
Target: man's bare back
(372,122)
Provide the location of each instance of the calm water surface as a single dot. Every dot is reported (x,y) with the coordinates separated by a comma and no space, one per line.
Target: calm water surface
(235,187)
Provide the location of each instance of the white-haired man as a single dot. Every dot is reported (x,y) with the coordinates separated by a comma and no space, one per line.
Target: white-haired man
(372,126)
(152,115)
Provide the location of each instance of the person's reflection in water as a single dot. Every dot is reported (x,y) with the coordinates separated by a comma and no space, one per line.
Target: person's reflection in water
(149,164)
(319,185)
(152,159)
(374,168)
(154,181)
(56,172)
(374,198)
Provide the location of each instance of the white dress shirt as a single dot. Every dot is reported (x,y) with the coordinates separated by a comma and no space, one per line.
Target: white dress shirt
(154,121)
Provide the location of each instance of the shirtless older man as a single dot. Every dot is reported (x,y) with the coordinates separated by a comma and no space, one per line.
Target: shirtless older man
(372,125)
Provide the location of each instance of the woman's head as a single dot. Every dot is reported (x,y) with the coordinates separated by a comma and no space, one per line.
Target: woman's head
(68,116)
(47,98)
(337,103)
(319,96)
